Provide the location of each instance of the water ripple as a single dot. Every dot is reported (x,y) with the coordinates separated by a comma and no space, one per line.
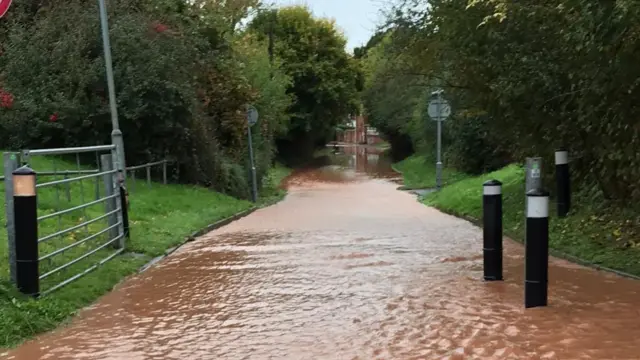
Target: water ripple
(347,270)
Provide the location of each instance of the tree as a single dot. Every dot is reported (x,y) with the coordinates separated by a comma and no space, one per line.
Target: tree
(324,76)
(361,52)
(525,78)
(183,80)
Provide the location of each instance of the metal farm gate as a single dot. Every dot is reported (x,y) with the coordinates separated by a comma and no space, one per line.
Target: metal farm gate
(77,214)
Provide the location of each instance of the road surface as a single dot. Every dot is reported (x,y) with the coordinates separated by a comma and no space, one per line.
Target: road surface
(347,267)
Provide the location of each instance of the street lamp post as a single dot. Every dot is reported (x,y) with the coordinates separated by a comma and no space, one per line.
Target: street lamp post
(116,134)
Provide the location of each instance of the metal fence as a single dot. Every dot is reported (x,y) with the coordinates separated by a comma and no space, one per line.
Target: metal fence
(132,172)
(81,223)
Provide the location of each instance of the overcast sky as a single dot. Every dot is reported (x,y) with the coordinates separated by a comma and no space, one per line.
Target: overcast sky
(356,18)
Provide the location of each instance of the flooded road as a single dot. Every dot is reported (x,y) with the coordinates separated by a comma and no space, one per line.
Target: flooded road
(347,267)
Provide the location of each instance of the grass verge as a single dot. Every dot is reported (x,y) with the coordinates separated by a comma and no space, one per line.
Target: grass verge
(161,217)
(420,173)
(272,191)
(595,234)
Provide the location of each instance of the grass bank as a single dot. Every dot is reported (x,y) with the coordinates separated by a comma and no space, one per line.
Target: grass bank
(419,172)
(601,234)
(161,217)
(271,190)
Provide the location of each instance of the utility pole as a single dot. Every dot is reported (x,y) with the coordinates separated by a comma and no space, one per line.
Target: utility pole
(116,134)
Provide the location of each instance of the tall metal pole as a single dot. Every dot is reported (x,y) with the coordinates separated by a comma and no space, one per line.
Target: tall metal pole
(116,134)
(254,185)
(439,145)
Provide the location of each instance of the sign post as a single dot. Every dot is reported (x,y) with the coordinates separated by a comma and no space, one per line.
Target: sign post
(252,119)
(4,7)
(439,110)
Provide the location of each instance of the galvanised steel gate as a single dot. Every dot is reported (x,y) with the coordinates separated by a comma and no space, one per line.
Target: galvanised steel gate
(80,220)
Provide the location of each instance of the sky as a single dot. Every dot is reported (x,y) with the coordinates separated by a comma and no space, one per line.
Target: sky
(356,18)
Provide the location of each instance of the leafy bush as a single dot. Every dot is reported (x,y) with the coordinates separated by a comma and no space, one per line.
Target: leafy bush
(473,149)
(182,83)
(547,74)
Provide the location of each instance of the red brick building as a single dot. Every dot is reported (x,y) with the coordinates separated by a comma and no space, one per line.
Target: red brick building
(358,132)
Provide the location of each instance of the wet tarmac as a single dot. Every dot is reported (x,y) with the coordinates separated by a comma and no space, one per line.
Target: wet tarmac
(347,267)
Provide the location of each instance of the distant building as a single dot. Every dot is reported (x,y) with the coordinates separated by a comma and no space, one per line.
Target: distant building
(358,132)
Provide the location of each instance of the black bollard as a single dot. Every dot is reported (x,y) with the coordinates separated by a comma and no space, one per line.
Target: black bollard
(563,182)
(25,207)
(537,249)
(492,230)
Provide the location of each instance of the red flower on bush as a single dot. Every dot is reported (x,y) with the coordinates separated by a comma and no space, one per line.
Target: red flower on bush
(53,117)
(158,27)
(6,99)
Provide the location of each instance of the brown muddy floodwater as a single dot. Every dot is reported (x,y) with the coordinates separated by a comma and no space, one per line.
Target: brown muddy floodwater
(347,267)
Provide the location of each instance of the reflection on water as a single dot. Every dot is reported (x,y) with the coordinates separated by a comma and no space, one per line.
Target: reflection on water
(347,163)
(348,269)
(365,159)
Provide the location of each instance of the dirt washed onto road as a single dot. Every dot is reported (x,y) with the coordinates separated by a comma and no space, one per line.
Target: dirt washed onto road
(347,267)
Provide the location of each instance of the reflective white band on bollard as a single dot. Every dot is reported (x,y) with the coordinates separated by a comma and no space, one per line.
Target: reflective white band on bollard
(562,157)
(492,190)
(538,207)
